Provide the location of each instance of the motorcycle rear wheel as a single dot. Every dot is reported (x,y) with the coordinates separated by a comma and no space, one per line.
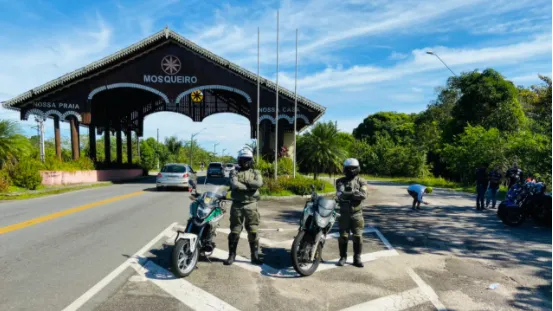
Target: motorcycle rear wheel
(183,261)
(297,262)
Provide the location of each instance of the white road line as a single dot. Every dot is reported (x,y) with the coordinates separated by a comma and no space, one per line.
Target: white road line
(110,277)
(364,258)
(263,241)
(383,239)
(192,296)
(396,302)
(427,290)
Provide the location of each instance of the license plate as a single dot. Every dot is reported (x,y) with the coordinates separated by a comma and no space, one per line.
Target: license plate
(173,176)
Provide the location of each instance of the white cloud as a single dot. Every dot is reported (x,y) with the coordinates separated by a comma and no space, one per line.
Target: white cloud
(398,56)
(416,89)
(420,62)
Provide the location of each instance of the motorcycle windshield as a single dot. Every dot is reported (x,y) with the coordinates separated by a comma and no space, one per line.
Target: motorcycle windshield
(206,204)
(325,206)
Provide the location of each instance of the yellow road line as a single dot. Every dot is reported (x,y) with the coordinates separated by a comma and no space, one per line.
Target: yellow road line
(66,212)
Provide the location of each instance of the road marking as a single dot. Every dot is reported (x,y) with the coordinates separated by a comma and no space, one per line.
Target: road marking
(396,302)
(66,212)
(427,290)
(192,296)
(110,277)
(263,241)
(267,270)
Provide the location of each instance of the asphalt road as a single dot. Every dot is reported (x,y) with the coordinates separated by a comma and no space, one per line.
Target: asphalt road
(48,265)
(444,255)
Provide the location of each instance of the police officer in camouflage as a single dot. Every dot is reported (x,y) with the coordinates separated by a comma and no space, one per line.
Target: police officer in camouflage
(244,186)
(351,190)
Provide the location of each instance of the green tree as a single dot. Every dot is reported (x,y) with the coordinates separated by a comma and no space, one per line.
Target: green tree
(148,158)
(475,146)
(319,150)
(399,126)
(488,100)
(12,143)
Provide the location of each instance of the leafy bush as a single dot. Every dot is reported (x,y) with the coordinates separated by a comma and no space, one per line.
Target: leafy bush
(285,166)
(267,169)
(54,164)
(26,174)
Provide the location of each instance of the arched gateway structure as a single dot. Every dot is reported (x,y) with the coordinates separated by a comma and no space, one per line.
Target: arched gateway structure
(164,72)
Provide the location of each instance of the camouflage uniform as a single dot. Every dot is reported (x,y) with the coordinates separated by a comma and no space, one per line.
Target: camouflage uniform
(244,187)
(351,219)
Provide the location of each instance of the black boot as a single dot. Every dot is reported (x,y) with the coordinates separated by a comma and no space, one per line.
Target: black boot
(357,249)
(232,245)
(343,246)
(254,249)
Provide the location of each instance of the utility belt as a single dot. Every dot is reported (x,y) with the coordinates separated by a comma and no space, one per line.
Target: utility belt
(348,207)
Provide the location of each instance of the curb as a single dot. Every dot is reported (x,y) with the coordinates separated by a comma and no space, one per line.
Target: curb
(279,198)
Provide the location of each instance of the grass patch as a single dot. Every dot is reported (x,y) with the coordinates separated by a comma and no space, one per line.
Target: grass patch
(434,182)
(23,194)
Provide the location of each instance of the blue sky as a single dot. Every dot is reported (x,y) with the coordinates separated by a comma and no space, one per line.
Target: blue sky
(355,57)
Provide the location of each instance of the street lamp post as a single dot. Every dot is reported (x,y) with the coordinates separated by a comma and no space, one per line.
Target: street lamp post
(433,53)
(223,155)
(192,144)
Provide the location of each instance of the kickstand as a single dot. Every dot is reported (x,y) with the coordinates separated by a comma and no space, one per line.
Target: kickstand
(207,257)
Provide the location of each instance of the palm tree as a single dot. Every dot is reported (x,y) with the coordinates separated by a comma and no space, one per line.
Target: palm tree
(320,150)
(12,143)
(173,145)
(252,146)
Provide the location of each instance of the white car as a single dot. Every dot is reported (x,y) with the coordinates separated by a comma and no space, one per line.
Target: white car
(229,167)
(175,175)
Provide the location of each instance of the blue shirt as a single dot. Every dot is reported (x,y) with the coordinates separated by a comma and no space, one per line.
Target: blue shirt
(418,189)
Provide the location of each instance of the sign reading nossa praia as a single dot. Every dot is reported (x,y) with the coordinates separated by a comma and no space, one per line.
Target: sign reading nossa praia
(170,79)
(56,105)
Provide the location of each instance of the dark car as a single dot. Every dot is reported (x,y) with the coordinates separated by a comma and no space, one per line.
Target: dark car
(215,169)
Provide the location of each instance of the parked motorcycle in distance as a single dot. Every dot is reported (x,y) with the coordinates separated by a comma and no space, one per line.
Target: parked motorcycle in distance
(319,215)
(524,200)
(206,211)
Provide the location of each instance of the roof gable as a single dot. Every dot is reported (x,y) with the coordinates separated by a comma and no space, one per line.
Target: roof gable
(160,36)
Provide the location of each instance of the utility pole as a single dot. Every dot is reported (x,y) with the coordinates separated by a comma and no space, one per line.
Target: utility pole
(215,148)
(223,155)
(40,130)
(192,144)
(157,156)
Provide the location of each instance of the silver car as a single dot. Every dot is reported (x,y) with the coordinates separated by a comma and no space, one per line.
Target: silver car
(175,175)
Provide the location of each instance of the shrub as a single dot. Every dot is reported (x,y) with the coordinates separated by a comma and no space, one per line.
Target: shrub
(26,174)
(285,166)
(4,180)
(299,185)
(267,169)
(271,186)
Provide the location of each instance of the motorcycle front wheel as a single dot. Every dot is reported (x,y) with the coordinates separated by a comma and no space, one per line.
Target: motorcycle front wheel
(183,260)
(302,266)
(514,217)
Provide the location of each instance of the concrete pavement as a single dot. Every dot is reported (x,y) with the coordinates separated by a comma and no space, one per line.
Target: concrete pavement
(443,257)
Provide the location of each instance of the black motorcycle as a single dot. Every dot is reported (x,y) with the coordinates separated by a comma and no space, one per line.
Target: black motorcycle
(523,201)
(319,215)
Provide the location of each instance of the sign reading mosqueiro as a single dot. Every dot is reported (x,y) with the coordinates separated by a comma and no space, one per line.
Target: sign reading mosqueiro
(170,79)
